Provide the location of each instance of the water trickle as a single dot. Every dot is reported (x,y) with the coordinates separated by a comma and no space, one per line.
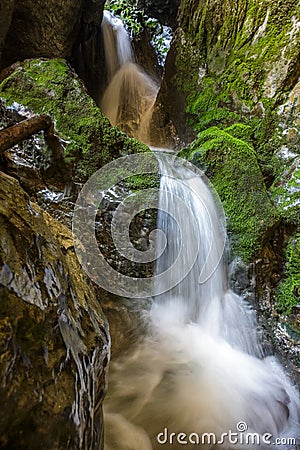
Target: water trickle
(131,92)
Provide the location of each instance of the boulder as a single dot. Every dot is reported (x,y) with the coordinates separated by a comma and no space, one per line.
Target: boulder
(53,335)
(230,162)
(231,61)
(6,12)
(52,87)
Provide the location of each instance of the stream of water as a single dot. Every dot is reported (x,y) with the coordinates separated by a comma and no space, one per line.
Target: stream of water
(200,367)
(131,92)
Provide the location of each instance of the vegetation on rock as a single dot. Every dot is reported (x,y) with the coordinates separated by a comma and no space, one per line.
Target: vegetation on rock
(137,21)
(230,162)
(51,87)
(235,68)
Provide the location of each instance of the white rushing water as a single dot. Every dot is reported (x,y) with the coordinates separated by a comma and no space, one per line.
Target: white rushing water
(131,92)
(200,367)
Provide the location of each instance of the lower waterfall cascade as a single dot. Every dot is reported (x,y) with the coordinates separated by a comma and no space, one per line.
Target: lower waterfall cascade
(201,367)
(199,376)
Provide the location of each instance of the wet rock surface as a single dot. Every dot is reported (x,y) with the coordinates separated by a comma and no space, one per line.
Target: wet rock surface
(280,323)
(145,54)
(32,160)
(141,226)
(169,122)
(53,335)
(257,283)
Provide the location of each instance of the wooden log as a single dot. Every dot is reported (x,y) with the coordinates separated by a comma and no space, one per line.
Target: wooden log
(23,130)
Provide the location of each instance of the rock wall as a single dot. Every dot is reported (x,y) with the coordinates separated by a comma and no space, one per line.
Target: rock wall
(53,336)
(239,63)
(6,12)
(228,57)
(31,29)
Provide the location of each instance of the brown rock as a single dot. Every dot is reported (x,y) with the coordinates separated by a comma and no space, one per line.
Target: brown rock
(53,335)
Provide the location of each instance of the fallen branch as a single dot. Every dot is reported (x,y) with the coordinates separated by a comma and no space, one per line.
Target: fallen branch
(23,130)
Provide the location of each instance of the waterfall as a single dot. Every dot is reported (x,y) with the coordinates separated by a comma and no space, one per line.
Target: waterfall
(200,370)
(117,46)
(131,92)
(210,304)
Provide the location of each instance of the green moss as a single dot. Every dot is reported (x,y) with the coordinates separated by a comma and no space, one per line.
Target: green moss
(234,63)
(51,87)
(231,165)
(209,107)
(143,181)
(288,292)
(243,46)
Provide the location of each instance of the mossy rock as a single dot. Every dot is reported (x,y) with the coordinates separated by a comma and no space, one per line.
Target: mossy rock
(249,50)
(234,62)
(52,87)
(231,165)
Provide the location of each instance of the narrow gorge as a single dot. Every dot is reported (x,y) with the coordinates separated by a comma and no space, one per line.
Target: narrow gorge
(149,224)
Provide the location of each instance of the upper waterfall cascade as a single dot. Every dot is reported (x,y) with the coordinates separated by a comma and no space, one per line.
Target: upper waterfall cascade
(201,367)
(131,92)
